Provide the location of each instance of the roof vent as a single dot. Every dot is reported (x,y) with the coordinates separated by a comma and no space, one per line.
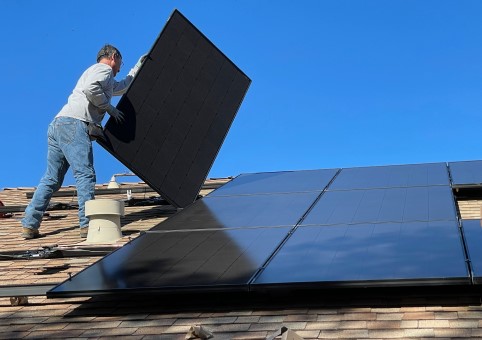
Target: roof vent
(104,223)
(113,183)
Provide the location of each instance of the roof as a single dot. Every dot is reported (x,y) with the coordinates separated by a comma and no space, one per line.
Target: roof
(372,313)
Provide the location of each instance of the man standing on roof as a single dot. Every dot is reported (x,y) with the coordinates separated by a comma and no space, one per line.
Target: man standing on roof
(69,140)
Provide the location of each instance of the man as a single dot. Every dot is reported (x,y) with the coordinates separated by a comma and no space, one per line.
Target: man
(69,142)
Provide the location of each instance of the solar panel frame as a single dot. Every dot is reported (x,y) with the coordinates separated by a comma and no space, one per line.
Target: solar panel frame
(178,109)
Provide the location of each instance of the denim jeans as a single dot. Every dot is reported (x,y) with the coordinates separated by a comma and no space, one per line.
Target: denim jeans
(69,145)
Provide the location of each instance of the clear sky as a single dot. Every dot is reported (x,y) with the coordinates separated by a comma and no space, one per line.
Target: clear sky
(335,83)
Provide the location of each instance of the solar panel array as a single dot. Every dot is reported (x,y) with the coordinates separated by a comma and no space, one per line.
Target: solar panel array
(378,226)
(178,110)
(217,243)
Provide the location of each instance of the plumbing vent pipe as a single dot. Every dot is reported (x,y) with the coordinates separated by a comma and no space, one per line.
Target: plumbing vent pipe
(104,223)
(113,183)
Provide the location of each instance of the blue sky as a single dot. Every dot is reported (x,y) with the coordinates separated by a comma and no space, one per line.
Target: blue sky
(338,83)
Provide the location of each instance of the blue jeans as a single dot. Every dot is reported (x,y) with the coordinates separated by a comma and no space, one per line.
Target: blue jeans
(69,144)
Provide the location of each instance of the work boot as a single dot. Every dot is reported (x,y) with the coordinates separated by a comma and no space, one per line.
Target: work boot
(83,232)
(30,233)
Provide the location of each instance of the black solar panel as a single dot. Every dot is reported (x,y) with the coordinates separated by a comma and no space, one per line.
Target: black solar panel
(218,242)
(179,261)
(242,212)
(473,236)
(369,254)
(178,109)
(383,205)
(277,182)
(466,174)
(392,176)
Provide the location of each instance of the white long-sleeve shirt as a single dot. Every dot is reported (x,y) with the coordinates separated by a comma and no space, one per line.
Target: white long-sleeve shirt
(93,92)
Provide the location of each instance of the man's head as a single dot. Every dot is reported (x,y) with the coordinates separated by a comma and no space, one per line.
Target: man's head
(111,56)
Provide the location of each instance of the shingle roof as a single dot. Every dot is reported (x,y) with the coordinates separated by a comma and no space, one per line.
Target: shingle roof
(323,315)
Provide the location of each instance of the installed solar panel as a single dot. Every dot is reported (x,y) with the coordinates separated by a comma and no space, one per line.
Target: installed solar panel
(218,242)
(242,211)
(383,205)
(391,176)
(179,261)
(473,236)
(466,173)
(178,109)
(369,254)
(277,182)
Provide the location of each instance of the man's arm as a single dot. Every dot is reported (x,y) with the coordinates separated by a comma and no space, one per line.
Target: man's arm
(121,87)
(95,94)
(94,91)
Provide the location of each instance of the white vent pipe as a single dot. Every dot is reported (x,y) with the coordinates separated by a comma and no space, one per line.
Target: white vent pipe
(104,223)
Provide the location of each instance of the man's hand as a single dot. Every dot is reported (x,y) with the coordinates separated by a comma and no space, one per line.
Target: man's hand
(95,131)
(141,60)
(116,114)
(137,66)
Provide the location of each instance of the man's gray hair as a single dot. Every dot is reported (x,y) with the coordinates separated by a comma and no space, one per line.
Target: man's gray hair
(108,51)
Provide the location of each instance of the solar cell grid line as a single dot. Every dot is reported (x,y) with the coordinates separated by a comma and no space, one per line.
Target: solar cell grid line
(277,182)
(391,176)
(466,173)
(199,261)
(368,255)
(179,109)
(383,205)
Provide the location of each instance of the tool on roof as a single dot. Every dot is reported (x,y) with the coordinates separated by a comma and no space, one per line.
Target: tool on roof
(54,251)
